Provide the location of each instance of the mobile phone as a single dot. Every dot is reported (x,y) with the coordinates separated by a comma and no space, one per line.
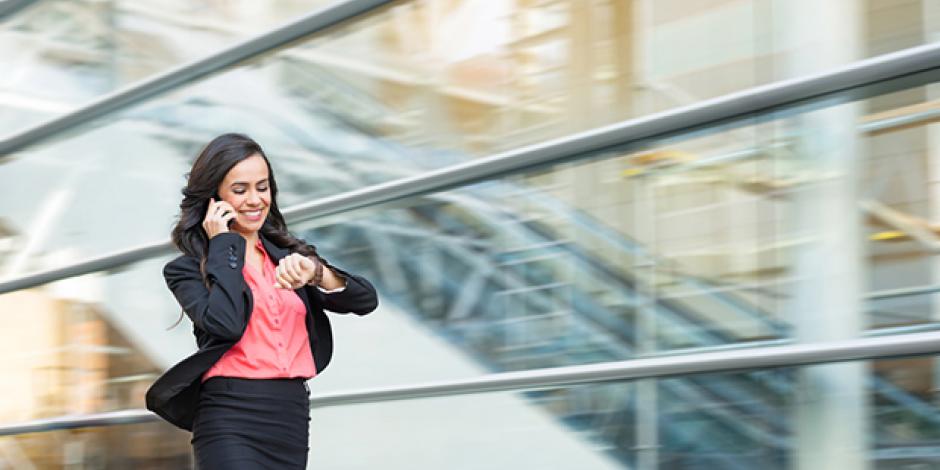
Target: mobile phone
(217,199)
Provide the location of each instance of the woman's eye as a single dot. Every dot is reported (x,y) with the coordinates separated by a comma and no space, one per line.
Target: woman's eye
(239,192)
(262,189)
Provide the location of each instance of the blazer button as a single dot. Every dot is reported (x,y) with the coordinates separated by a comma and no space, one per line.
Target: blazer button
(233,265)
(232,258)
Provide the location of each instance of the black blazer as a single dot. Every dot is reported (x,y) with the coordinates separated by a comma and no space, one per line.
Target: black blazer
(220,315)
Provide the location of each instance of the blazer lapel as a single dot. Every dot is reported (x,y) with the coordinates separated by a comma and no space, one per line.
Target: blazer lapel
(274,251)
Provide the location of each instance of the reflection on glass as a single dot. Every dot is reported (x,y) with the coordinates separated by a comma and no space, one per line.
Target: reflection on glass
(87,345)
(792,227)
(64,54)
(690,243)
(721,421)
(735,420)
(138,446)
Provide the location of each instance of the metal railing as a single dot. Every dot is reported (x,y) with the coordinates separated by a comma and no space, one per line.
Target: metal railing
(723,361)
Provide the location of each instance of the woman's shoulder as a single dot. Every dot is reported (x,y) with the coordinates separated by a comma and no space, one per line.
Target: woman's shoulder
(182,265)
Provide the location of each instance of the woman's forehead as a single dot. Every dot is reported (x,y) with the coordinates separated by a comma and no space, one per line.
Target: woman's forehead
(251,169)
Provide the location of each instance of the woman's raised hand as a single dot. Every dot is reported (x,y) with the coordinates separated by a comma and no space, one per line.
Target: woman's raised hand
(217,218)
(294,271)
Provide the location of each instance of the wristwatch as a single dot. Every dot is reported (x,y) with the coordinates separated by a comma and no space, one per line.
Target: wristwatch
(317,273)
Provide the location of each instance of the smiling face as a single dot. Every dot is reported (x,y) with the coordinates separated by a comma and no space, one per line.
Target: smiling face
(246,187)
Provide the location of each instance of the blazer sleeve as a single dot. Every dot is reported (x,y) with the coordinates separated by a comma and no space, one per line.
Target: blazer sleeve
(222,309)
(358,297)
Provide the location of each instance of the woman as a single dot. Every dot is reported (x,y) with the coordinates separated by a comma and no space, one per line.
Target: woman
(256,296)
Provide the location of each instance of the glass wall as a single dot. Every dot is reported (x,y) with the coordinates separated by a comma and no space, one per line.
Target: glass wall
(796,226)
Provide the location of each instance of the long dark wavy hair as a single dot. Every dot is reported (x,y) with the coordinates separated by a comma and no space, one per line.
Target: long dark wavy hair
(203,180)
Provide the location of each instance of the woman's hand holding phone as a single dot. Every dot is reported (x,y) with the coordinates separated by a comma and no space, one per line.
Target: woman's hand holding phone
(218,216)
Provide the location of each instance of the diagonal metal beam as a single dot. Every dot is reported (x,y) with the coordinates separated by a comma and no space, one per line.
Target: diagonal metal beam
(178,77)
(11,7)
(917,228)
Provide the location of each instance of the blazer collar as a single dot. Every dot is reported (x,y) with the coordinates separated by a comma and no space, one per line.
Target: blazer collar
(274,251)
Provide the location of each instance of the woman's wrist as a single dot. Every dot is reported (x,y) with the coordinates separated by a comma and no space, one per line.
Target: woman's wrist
(317,272)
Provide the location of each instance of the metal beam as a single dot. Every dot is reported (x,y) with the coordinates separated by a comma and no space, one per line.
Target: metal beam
(722,361)
(102,263)
(182,75)
(910,67)
(11,7)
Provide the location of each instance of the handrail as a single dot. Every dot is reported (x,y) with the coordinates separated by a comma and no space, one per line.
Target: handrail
(172,79)
(737,360)
(720,111)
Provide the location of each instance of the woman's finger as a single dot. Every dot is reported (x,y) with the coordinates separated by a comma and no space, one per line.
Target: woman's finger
(218,216)
(283,279)
(227,217)
(305,266)
(292,270)
(278,280)
(224,209)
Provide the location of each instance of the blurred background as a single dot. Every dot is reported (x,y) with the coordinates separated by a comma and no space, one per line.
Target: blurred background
(802,224)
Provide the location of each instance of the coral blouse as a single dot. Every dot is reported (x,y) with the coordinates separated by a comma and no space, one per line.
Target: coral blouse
(275,343)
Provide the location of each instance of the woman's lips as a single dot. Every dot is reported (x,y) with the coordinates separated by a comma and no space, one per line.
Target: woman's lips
(253,216)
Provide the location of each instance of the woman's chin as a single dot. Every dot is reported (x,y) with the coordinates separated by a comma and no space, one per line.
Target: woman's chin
(247,226)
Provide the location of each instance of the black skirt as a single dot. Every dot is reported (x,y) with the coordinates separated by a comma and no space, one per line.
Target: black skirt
(252,424)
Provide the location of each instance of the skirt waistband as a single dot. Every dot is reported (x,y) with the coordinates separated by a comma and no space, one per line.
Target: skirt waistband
(260,386)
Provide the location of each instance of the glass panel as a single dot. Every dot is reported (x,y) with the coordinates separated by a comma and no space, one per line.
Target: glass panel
(306,117)
(517,72)
(63,54)
(741,420)
(899,201)
(88,344)
(879,415)
(762,419)
(139,446)
(723,237)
